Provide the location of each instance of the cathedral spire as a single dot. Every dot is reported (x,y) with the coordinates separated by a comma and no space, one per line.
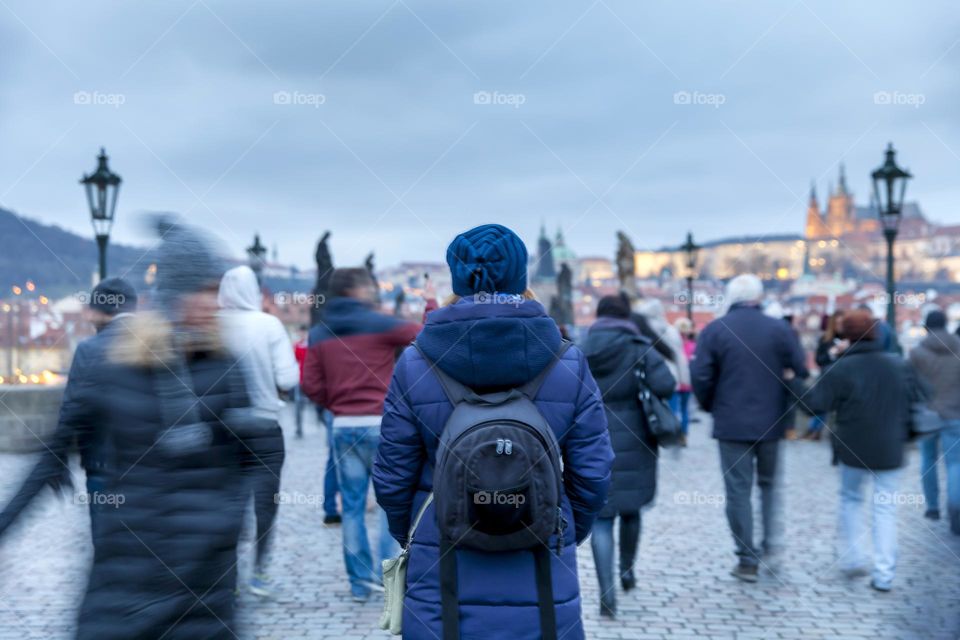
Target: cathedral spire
(842,184)
(813,192)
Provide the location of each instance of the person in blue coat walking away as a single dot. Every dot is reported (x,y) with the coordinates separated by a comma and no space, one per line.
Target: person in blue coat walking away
(492,336)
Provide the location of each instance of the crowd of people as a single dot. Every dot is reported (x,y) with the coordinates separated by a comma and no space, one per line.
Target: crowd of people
(494,445)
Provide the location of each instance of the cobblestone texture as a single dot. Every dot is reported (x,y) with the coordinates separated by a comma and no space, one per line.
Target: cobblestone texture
(684,590)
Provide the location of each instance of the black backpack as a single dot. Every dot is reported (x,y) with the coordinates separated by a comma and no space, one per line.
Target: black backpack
(497,485)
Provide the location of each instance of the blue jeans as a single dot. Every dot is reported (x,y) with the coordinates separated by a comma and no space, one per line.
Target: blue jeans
(950,441)
(330,485)
(355,449)
(601,543)
(817,423)
(884,529)
(683,409)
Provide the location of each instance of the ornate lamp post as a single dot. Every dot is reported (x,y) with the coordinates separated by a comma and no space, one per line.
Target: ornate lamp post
(102,187)
(691,249)
(889,187)
(256,253)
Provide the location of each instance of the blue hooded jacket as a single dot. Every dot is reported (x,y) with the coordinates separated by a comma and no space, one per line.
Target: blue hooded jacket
(490,346)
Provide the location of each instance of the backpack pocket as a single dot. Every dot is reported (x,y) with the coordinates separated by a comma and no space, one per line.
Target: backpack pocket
(501,511)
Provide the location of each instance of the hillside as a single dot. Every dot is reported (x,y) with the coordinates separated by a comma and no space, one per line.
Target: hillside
(56,260)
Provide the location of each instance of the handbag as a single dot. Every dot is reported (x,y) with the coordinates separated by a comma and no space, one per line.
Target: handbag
(661,421)
(395,579)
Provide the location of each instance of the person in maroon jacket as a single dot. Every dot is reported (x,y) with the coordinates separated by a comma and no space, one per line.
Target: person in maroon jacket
(348,367)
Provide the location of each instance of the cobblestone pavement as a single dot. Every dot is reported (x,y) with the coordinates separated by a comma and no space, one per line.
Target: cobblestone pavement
(684,590)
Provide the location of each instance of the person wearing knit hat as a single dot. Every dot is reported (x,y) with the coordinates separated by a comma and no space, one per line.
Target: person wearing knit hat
(174,404)
(488,259)
(111,298)
(492,336)
(937,363)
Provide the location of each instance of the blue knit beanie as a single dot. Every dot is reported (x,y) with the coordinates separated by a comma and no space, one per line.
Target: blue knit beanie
(489,258)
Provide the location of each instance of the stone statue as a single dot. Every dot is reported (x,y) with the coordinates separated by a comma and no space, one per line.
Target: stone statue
(368,263)
(324,272)
(626,265)
(561,305)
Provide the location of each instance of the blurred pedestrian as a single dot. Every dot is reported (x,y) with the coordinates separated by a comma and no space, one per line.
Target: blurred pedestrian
(493,336)
(651,309)
(331,514)
(262,347)
(870,391)
(348,367)
(110,301)
(300,398)
(174,409)
(829,348)
(685,328)
(740,376)
(615,351)
(937,363)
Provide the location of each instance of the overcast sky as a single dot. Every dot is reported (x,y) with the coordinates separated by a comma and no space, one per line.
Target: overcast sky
(397,124)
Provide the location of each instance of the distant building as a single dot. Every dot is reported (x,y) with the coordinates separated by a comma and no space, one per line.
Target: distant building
(544,268)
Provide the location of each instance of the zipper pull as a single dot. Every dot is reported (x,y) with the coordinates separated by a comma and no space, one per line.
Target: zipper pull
(500,445)
(509,447)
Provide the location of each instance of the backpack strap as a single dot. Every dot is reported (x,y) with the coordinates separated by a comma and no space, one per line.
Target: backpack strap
(532,388)
(548,616)
(455,391)
(449,592)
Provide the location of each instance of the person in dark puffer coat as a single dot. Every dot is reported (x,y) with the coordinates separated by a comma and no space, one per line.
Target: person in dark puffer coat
(172,402)
(497,340)
(614,350)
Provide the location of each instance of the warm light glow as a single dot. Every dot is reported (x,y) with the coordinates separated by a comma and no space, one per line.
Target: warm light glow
(17,290)
(783,273)
(30,285)
(6,307)
(22,378)
(35,379)
(44,300)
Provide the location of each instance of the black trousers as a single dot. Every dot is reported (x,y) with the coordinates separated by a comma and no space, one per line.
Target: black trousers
(264,462)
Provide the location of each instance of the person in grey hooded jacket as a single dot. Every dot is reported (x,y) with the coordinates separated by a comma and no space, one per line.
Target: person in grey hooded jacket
(265,354)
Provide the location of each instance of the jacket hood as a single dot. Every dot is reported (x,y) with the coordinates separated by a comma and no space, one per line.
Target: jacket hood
(490,345)
(608,342)
(942,342)
(240,291)
(340,314)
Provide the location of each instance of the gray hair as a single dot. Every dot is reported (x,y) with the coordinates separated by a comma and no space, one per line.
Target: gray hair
(744,288)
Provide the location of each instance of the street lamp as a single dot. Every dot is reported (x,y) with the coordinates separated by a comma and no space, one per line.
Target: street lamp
(256,253)
(102,187)
(691,249)
(889,187)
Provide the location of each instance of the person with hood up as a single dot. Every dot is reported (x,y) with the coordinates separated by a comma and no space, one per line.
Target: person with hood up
(615,350)
(174,408)
(348,367)
(936,361)
(262,347)
(491,336)
(111,301)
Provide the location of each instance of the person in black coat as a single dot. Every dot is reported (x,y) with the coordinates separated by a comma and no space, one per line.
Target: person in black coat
(174,410)
(742,376)
(870,390)
(614,350)
(111,300)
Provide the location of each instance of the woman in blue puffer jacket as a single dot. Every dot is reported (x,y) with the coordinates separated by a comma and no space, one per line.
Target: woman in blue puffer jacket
(486,344)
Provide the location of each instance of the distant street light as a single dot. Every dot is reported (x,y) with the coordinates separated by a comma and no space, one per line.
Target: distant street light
(102,187)
(692,250)
(256,253)
(889,187)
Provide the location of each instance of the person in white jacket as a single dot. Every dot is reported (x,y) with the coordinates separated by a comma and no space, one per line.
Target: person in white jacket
(265,353)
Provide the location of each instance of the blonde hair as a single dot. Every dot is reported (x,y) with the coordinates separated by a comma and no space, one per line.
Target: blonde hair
(453,298)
